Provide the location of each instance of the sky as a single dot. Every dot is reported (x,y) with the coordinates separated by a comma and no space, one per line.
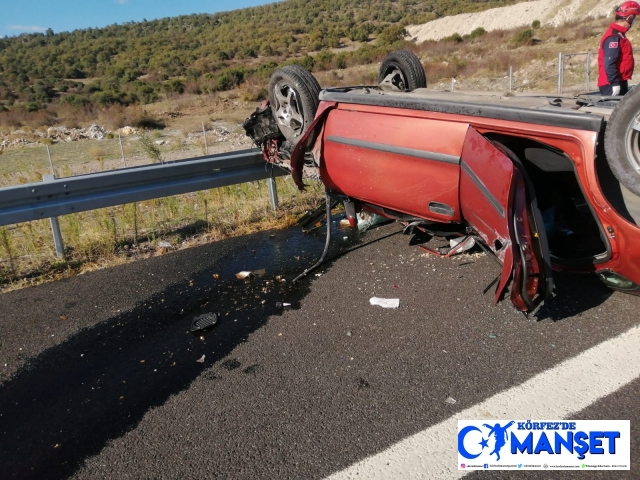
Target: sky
(28,16)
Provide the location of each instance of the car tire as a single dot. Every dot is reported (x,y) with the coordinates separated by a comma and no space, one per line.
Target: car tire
(407,70)
(293,95)
(622,141)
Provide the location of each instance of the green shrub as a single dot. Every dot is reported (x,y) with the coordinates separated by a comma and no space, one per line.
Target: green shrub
(455,38)
(32,107)
(523,37)
(477,33)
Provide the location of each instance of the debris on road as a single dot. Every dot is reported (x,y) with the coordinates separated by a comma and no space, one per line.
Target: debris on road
(466,243)
(385,302)
(283,305)
(450,401)
(243,275)
(368,220)
(201,359)
(204,322)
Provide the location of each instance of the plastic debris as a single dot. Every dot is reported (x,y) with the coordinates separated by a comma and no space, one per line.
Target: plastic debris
(450,401)
(201,359)
(344,223)
(283,305)
(367,220)
(466,243)
(385,302)
(164,244)
(243,275)
(204,322)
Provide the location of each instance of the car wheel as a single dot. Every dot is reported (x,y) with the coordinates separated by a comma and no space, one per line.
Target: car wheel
(293,95)
(622,141)
(403,70)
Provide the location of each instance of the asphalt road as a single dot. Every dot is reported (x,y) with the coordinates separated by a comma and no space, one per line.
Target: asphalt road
(100,377)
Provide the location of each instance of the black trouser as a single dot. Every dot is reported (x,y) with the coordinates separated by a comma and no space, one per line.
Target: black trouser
(607,90)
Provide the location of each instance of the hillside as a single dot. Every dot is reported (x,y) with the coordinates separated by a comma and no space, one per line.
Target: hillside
(138,62)
(548,12)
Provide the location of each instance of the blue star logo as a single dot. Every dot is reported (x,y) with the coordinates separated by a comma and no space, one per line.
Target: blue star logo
(484,443)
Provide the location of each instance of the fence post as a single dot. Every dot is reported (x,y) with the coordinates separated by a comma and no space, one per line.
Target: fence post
(204,134)
(53,173)
(124,160)
(560,72)
(273,193)
(510,79)
(58,243)
(453,81)
(588,72)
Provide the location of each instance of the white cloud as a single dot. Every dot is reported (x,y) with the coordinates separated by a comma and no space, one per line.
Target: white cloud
(26,28)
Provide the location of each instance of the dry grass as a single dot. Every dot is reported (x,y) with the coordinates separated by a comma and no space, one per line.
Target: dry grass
(121,234)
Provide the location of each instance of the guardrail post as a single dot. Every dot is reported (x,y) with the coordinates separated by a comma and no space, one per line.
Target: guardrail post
(273,193)
(58,243)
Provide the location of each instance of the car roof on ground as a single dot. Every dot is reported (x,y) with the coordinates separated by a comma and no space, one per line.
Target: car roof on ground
(542,109)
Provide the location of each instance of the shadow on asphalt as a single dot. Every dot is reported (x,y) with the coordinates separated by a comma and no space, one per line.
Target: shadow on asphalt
(69,402)
(575,294)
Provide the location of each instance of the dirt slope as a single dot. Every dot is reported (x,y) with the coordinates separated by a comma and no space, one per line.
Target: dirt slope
(548,12)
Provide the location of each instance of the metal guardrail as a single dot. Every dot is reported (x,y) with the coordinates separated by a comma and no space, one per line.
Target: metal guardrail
(61,196)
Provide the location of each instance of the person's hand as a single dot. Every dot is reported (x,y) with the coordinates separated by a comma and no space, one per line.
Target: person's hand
(615,90)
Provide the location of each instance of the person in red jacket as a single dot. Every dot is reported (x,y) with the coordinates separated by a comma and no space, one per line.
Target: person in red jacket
(615,57)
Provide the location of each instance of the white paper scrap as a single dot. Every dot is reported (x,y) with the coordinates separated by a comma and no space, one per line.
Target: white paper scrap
(385,302)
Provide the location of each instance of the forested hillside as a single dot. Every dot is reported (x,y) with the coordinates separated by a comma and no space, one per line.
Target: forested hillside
(137,62)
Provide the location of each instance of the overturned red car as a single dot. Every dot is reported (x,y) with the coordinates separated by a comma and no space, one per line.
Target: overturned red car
(542,182)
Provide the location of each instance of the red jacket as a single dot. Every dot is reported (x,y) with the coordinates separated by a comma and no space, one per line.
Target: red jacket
(615,57)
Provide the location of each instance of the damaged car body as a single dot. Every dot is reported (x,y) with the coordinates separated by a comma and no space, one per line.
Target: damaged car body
(543,183)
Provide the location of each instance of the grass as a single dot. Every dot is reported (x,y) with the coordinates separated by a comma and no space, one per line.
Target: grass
(121,234)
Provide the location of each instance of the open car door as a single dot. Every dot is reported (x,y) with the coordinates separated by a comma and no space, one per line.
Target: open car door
(500,206)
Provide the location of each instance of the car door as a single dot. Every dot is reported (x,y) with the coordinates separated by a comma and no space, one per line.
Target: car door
(499,204)
(394,158)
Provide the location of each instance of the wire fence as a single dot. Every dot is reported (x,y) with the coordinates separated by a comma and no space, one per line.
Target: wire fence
(64,155)
(574,73)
